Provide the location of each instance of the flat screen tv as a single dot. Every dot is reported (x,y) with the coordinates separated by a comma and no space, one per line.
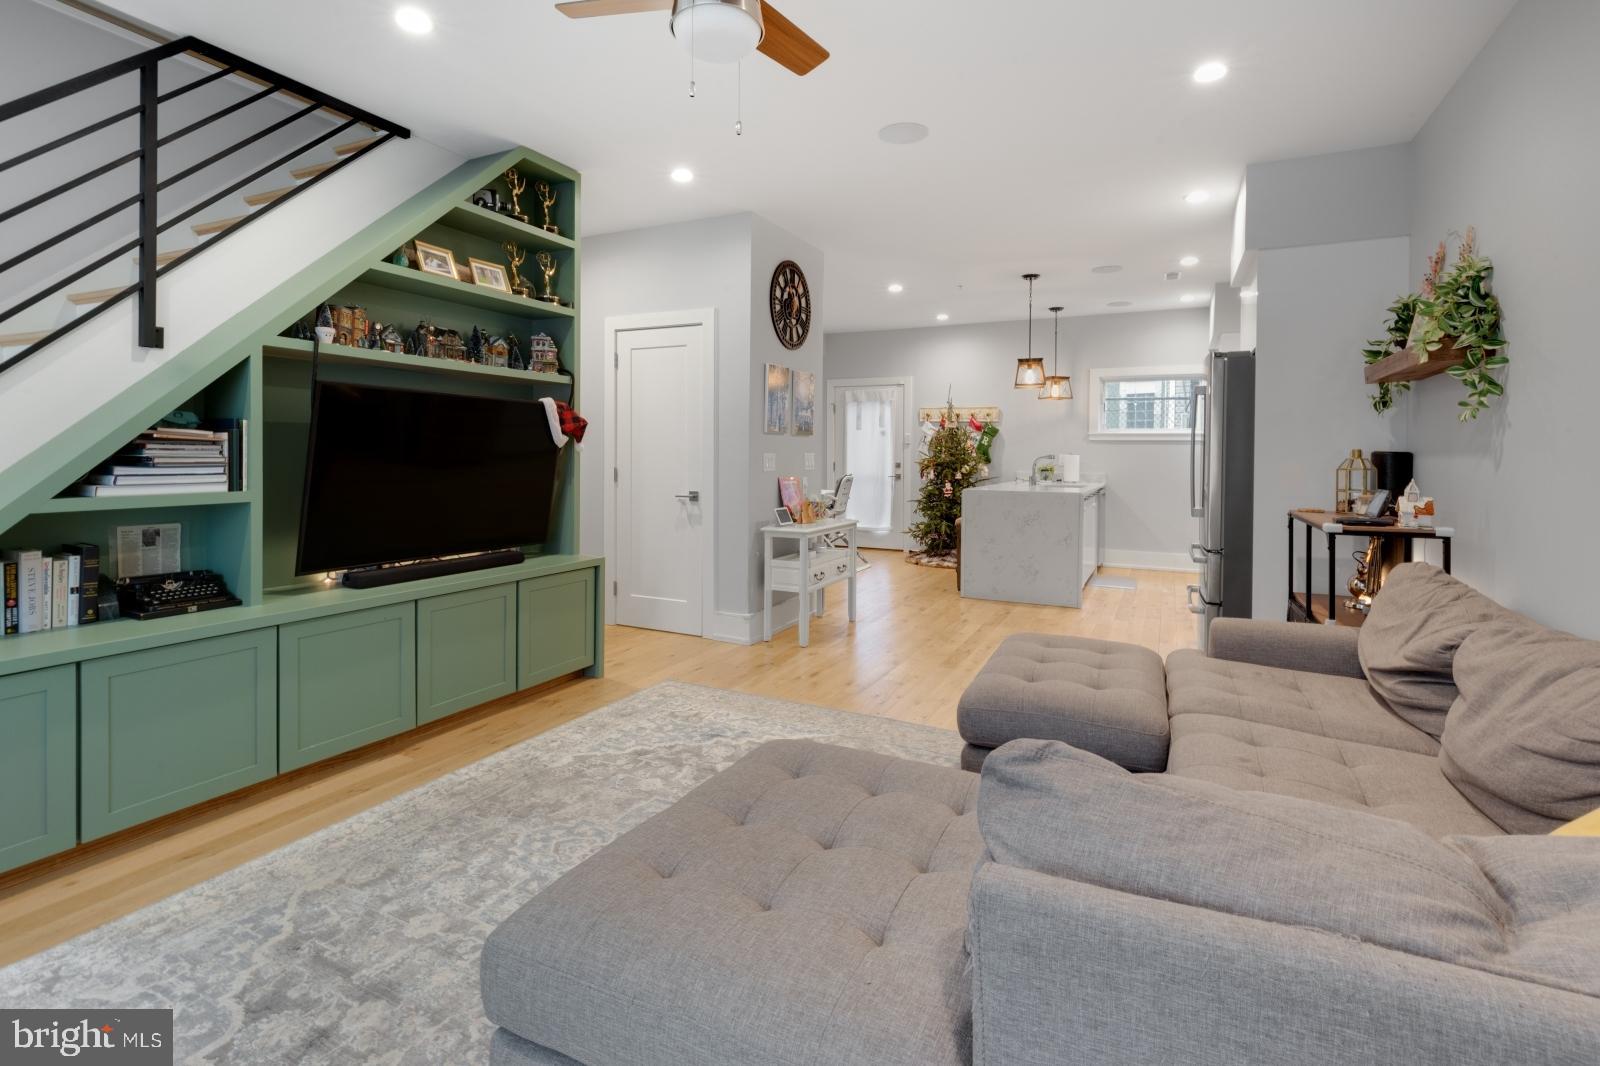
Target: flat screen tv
(394,475)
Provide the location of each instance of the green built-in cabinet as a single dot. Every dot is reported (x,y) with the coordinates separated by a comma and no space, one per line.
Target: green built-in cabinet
(466,650)
(38,764)
(166,728)
(109,725)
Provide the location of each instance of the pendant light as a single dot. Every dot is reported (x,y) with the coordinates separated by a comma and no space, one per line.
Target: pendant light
(1057,386)
(1030,371)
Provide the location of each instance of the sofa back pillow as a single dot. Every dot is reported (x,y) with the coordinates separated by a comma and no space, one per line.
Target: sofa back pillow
(1050,808)
(1523,741)
(1408,643)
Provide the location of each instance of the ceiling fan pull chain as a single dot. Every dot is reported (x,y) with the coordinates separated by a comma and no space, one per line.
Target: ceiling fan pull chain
(738,125)
(691,52)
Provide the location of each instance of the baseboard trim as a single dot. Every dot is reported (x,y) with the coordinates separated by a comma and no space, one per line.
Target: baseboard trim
(1175,562)
(734,628)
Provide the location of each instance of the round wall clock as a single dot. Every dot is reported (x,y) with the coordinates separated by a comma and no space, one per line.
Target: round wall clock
(791,304)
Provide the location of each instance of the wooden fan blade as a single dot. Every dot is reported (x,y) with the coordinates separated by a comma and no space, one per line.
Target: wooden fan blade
(584,9)
(787,44)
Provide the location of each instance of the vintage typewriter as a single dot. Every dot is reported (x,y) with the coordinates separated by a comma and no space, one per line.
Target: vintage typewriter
(182,592)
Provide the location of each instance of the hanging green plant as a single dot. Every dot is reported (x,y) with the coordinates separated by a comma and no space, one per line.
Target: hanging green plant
(1463,307)
(1401,314)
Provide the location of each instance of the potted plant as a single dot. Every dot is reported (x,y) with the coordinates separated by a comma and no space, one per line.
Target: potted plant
(1402,313)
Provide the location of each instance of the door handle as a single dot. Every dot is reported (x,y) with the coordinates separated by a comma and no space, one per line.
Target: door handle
(693,496)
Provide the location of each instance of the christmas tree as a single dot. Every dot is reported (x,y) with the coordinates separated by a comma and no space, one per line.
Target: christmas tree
(950,466)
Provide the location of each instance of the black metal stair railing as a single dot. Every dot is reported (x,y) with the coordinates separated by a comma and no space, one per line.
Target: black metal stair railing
(150,181)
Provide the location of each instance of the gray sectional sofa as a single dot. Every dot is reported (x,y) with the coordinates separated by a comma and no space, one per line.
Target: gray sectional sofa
(1316,876)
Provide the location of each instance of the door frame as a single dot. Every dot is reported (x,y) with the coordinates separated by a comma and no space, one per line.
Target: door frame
(908,436)
(615,325)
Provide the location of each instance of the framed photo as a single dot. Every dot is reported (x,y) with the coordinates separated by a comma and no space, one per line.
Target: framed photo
(489,275)
(778,385)
(793,497)
(783,516)
(805,403)
(432,259)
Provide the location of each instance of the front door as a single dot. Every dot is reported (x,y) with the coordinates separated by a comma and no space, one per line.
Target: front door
(870,438)
(660,496)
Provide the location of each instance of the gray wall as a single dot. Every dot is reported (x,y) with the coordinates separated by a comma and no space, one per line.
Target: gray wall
(1147,516)
(1512,150)
(726,264)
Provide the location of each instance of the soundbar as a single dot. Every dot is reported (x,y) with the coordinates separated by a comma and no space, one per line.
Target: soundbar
(378,576)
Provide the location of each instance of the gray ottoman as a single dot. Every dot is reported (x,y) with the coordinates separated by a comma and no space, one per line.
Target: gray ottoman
(806,905)
(1099,695)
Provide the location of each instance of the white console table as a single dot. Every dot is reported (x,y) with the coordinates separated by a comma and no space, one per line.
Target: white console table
(809,572)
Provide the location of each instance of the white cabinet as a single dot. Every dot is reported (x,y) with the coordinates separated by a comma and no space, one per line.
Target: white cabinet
(1089,536)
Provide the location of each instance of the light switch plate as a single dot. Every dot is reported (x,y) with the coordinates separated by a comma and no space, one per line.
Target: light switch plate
(811,460)
(769,461)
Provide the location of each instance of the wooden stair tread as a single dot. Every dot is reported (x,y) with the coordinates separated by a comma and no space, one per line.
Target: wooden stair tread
(94,296)
(353,146)
(164,258)
(256,199)
(18,340)
(217,225)
(311,171)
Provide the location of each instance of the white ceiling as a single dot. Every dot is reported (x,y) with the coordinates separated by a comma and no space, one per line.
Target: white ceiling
(1065,133)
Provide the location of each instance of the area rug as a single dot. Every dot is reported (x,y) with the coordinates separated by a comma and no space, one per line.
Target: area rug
(359,943)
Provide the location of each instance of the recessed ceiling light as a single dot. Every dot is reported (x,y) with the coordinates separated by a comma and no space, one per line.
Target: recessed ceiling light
(942,317)
(1108,268)
(413,20)
(1188,297)
(1206,73)
(1196,196)
(1120,303)
(682,175)
(896,287)
(1189,261)
(903,133)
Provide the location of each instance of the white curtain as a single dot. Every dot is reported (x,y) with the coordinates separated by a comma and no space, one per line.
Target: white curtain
(871,447)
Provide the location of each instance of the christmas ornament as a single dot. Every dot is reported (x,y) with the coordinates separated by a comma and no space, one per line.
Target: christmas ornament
(949,491)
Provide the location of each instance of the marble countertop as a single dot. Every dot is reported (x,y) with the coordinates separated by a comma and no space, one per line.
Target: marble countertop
(1053,489)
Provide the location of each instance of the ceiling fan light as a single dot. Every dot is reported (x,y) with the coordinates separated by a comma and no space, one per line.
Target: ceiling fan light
(1057,387)
(718,31)
(1030,373)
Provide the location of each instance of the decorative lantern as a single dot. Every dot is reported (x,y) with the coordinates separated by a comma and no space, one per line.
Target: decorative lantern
(1352,483)
(1057,386)
(1030,371)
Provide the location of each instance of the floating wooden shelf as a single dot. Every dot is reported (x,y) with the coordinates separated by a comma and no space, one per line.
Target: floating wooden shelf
(417,283)
(285,347)
(1408,364)
(480,222)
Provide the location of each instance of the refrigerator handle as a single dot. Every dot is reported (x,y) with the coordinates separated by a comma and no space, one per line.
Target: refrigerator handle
(1196,503)
(1196,604)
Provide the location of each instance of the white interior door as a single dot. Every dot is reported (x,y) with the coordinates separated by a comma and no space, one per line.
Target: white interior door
(871,439)
(661,500)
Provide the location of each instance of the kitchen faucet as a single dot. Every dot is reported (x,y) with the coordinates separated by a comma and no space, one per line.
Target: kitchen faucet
(1047,463)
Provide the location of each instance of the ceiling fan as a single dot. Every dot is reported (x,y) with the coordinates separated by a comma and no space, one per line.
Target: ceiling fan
(722,31)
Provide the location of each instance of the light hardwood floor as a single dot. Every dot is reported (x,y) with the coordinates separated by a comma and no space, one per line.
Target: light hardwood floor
(914,647)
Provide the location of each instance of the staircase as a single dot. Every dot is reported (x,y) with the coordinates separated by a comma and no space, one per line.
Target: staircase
(216,142)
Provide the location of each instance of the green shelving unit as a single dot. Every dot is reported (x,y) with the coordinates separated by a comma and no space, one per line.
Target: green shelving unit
(549,604)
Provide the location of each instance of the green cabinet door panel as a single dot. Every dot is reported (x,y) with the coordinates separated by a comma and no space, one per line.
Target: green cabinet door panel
(555,626)
(466,650)
(345,681)
(165,728)
(38,764)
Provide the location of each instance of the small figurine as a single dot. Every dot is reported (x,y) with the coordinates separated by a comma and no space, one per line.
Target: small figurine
(543,357)
(475,345)
(514,357)
(325,330)
(391,340)
(497,352)
(420,341)
(374,336)
(488,199)
(400,258)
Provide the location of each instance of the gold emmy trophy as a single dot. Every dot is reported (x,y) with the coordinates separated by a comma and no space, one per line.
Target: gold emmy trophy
(1368,576)
(547,264)
(516,256)
(547,197)
(516,183)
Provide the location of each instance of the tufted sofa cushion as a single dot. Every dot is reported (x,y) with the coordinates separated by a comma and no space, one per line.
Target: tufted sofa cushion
(1099,695)
(1249,756)
(1339,708)
(807,905)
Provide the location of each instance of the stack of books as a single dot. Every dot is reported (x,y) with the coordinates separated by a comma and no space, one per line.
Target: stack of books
(49,591)
(170,459)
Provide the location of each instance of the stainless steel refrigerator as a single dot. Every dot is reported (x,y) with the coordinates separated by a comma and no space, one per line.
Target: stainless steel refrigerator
(1222,460)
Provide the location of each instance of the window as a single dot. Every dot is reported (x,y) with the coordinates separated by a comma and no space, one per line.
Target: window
(1143,403)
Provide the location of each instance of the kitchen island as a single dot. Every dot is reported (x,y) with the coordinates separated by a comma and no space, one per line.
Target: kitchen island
(1031,543)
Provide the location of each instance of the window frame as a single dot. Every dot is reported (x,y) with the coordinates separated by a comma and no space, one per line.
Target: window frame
(1099,378)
